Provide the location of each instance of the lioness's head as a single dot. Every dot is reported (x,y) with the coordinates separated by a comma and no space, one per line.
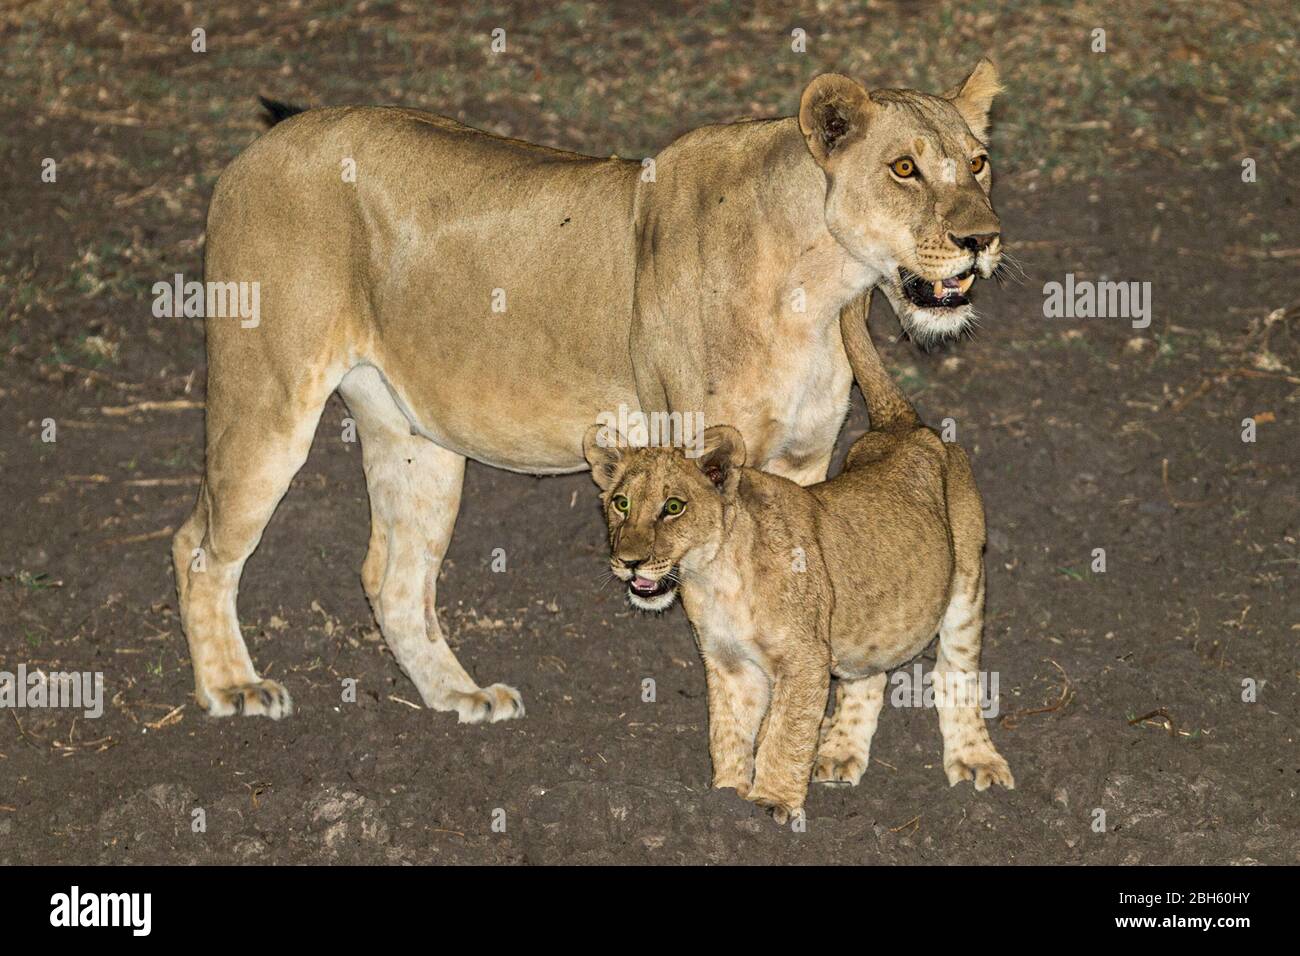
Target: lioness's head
(664,510)
(908,178)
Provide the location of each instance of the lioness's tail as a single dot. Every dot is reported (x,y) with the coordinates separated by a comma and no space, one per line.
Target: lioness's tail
(886,404)
(277,111)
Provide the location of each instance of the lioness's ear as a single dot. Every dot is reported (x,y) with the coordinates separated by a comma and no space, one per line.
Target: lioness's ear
(833,112)
(724,452)
(974,96)
(603,446)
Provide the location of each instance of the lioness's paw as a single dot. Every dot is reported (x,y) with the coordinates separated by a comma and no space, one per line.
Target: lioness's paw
(985,767)
(838,770)
(264,698)
(488,705)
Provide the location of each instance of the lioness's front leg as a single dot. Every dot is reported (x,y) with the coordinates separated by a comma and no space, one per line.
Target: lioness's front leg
(738,698)
(785,754)
(415,489)
(802,471)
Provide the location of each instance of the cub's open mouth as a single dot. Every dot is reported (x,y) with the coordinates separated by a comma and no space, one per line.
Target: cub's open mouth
(946,294)
(645,588)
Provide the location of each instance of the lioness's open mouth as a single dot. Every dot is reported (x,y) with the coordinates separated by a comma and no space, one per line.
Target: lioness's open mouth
(947,293)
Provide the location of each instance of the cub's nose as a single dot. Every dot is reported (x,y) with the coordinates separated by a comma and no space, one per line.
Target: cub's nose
(632,563)
(974,242)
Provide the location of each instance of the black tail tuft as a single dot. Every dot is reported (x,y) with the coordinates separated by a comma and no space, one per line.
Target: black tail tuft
(277,111)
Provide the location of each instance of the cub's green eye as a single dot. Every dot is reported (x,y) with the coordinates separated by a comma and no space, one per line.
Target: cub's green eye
(903,167)
(978,163)
(621,503)
(674,506)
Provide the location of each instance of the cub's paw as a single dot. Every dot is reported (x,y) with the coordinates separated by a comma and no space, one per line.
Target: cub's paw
(488,705)
(730,782)
(264,698)
(838,770)
(780,810)
(985,767)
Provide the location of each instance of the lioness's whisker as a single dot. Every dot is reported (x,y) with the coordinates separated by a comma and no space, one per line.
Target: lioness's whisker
(1009,267)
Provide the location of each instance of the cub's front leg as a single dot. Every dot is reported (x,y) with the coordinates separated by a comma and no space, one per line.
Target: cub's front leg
(738,699)
(785,754)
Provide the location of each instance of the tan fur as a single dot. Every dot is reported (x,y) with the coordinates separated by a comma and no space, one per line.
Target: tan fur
(786,585)
(676,294)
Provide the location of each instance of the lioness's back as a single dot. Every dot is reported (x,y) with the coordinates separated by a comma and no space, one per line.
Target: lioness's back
(418,158)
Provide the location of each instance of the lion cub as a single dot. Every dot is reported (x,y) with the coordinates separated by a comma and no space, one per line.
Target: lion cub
(786,586)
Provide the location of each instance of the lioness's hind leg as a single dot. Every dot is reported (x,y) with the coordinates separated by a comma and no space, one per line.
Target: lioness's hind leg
(414,488)
(845,747)
(251,460)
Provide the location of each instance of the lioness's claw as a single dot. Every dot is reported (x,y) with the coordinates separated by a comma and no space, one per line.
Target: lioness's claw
(488,705)
(266,698)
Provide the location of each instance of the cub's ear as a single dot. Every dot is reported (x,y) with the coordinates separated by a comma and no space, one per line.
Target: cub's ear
(724,452)
(833,112)
(974,96)
(603,448)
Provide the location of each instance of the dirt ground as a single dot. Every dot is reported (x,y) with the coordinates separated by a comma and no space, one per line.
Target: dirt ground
(1121,691)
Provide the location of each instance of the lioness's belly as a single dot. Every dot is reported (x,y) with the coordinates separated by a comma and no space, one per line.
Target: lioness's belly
(516,390)
(501,322)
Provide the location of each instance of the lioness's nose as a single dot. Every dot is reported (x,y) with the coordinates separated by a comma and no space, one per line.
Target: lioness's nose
(974,242)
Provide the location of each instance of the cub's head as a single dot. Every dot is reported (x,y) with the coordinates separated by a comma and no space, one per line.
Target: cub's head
(908,178)
(664,510)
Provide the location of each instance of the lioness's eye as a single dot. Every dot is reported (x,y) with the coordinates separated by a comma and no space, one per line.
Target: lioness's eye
(621,503)
(978,163)
(903,167)
(674,506)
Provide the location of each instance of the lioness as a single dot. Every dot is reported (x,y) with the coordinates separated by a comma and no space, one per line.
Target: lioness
(786,585)
(478,297)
